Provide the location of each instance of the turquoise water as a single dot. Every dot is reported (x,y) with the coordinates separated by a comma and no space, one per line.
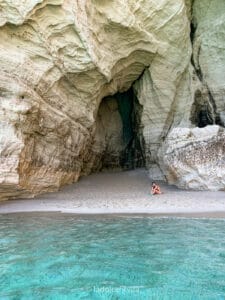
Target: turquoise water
(68,257)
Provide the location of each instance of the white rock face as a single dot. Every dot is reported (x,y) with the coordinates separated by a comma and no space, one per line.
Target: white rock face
(209,54)
(209,48)
(195,158)
(60,58)
(198,98)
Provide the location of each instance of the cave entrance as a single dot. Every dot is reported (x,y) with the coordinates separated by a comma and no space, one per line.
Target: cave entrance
(203,111)
(120,133)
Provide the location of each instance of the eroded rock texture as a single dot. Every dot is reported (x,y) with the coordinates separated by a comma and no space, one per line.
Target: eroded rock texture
(208,30)
(64,66)
(195,158)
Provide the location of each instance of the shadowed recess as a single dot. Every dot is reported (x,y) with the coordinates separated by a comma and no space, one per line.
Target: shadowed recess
(120,124)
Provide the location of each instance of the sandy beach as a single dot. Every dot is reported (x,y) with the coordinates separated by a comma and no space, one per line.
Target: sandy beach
(122,193)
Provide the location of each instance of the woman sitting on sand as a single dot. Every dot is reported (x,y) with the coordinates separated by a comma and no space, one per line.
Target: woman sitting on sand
(155,189)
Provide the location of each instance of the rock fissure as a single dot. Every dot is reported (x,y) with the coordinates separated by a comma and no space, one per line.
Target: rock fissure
(204,110)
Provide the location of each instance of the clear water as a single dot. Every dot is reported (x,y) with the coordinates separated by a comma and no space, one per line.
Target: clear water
(69,257)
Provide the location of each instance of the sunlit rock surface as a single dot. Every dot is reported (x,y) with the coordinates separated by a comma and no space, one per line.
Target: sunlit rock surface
(60,58)
(209,54)
(195,158)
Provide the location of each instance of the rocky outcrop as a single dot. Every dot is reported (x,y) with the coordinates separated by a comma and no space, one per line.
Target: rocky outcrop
(195,158)
(59,59)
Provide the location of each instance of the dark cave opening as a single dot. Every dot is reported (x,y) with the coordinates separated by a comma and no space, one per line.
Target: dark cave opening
(124,128)
(204,118)
(130,111)
(201,114)
(203,111)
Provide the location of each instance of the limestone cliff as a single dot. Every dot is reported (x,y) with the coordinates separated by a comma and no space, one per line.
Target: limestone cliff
(92,84)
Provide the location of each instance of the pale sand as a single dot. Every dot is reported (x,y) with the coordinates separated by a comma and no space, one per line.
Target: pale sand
(122,193)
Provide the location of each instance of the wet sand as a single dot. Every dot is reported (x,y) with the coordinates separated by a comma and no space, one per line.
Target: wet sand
(122,193)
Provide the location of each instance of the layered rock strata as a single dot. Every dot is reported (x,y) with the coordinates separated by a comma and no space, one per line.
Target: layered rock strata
(60,58)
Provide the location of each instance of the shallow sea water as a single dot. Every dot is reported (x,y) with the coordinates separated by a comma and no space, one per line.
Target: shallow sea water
(53,256)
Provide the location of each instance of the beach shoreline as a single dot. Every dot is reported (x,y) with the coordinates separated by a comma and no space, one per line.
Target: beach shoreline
(122,193)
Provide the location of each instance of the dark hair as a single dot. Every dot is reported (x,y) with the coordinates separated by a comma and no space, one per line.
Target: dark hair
(153,182)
